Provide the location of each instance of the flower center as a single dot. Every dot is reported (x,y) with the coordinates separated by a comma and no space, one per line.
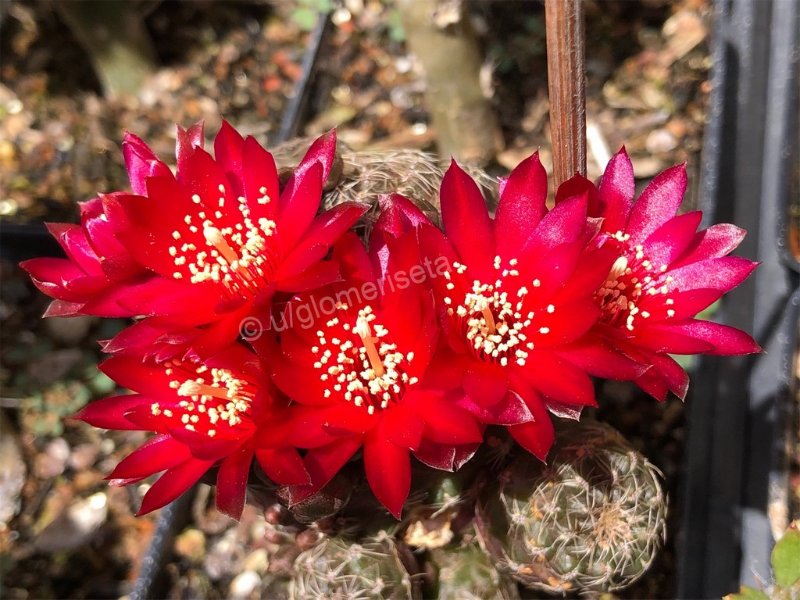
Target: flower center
(358,362)
(632,281)
(211,398)
(497,318)
(231,248)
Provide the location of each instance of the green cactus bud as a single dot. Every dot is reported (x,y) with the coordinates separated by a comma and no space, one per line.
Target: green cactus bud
(467,573)
(591,519)
(341,569)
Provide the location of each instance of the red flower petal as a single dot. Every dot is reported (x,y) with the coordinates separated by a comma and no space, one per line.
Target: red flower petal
(323,463)
(232,482)
(140,162)
(558,379)
(299,203)
(716,273)
(725,340)
(670,240)
(714,242)
(616,191)
(284,466)
(486,383)
(466,219)
(172,484)
(445,457)
(535,436)
(658,203)
(157,454)
(521,205)
(109,413)
(388,469)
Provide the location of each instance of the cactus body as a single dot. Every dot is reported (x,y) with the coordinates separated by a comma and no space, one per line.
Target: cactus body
(467,573)
(343,570)
(592,519)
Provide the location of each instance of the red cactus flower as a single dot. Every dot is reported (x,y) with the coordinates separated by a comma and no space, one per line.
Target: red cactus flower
(97,272)
(219,237)
(665,272)
(517,303)
(217,412)
(357,372)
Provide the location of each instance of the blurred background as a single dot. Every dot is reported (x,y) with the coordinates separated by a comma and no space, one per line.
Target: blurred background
(75,75)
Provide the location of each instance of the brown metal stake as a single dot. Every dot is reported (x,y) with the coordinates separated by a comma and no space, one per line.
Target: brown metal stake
(566,82)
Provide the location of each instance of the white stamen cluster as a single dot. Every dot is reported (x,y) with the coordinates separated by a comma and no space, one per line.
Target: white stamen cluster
(497,324)
(238,255)
(359,363)
(214,397)
(631,277)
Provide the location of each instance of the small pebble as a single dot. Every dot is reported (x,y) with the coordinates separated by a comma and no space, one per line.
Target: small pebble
(244,584)
(53,460)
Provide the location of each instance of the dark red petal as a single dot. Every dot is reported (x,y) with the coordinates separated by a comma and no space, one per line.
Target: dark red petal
(486,383)
(725,340)
(398,216)
(448,424)
(616,191)
(229,149)
(284,466)
(535,436)
(131,373)
(53,275)
(186,141)
(600,359)
(259,171)
(319,237)
(508,410)
(521,205)
(686,304)
(321,274)
(668,337)
(300,201)
(466,219)
(388,469)
(172,484)
(232,482)
(651,383)
(323,151)
(569,322)
(672,374)
(658,203)
(445,457)
(157,454)
(109,413)
(716,273)
(558,379)
(72,239)
(323,463)
(565,223)
(140,162)
(714,242)
(670,240)
(402,427)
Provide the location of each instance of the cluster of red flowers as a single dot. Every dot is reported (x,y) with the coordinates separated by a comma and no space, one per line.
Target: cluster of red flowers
(409,345)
